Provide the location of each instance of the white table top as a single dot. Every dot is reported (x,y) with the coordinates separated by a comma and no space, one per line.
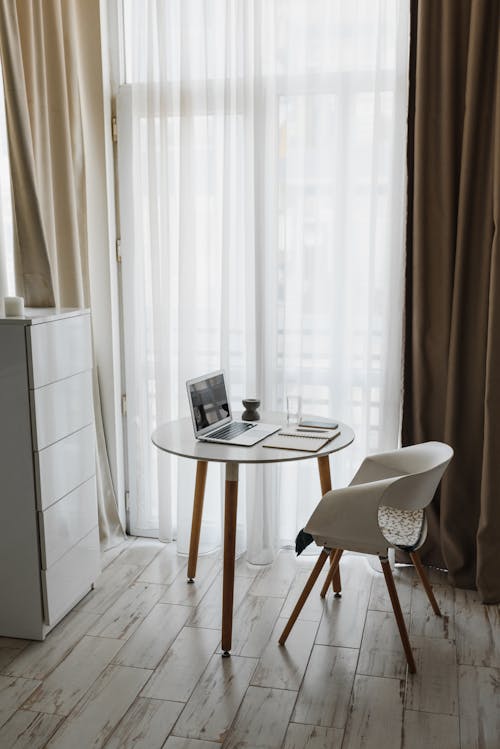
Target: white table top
(177,437)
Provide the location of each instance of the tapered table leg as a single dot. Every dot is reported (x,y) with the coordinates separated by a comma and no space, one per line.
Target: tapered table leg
(230,512)
(325,480)
(199,494)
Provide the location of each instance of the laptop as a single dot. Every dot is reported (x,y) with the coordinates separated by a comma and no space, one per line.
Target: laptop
(211,414)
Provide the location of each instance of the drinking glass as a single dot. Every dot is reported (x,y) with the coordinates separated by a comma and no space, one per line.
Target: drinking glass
(293,409)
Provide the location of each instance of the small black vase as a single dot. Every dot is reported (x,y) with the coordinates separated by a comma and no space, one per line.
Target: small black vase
(250,413)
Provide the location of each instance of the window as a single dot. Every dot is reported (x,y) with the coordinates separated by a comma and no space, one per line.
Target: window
(263,170)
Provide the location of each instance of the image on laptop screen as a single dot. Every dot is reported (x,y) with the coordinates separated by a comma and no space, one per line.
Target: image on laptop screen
(209,399)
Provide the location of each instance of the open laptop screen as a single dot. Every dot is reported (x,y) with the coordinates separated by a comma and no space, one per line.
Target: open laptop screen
(209,402)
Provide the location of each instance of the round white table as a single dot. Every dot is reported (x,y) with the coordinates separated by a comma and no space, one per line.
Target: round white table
(177,438)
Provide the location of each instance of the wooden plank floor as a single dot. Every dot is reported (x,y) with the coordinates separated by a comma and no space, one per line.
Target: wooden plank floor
(138,664)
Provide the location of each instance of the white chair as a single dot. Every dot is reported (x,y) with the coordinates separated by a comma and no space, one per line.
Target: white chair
(382,507)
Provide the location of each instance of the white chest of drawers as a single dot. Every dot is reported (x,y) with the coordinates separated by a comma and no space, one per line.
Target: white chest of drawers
(49,539)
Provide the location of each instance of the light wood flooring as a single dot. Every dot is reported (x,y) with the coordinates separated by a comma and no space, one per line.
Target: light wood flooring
(138,664)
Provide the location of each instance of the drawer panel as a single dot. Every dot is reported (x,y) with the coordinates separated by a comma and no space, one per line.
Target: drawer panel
(59,349)
(67,521)
(71,577)
(62,408)
(64,465)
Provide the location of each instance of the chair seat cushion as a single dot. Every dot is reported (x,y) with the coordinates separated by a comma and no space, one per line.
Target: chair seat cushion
(401,528)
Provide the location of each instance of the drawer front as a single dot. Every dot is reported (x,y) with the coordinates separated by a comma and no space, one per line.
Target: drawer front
(59,349)
(62,408)
(67,521)
(71,577)
(65,465)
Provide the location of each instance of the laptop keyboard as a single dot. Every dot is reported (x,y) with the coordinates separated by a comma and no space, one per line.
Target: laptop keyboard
(230,431)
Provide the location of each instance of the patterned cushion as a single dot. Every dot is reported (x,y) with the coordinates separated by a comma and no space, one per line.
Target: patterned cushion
(401,527)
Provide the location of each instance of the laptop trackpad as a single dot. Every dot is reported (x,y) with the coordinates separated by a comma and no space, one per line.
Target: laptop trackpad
(256,435)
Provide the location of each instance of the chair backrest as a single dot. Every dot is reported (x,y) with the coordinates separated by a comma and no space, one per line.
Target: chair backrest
(418,469)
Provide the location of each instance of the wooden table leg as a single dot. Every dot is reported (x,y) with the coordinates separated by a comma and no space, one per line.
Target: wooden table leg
(325,479)
(230,511)
(199,494)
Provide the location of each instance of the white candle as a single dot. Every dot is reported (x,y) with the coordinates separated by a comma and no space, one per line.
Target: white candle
(14,306)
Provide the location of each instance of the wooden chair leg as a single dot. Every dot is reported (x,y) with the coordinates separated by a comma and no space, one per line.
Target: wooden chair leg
(415,558)
(330,578)
(386,569)
(325,480)
(336,582)
(304,595)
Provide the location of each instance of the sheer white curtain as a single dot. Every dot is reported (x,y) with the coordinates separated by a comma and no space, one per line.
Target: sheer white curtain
(262,184)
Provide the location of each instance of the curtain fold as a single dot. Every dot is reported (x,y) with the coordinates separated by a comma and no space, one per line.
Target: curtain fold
(33,275)
(452,362)
(48,62)
(6,229)
(262,187)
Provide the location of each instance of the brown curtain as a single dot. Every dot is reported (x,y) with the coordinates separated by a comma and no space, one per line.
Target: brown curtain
(452,351)
(52,70)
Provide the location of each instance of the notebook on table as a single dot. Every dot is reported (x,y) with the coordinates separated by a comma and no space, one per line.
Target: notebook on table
(297,439)
(212,418)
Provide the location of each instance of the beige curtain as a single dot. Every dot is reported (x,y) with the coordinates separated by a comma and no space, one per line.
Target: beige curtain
(452,367)
(51,62)
(34,279)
